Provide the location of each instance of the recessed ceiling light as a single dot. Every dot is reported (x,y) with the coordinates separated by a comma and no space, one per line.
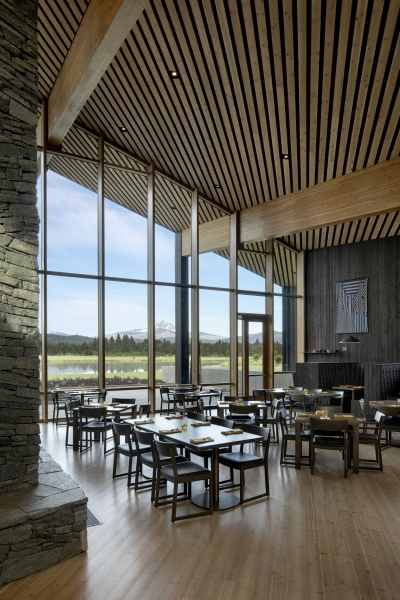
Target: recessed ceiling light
(174,74)
(123,129)
(285,156)
(217,186)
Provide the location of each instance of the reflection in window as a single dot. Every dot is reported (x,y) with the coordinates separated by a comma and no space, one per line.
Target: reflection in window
(214,337)
(72,332)
(126,343)
(72,226)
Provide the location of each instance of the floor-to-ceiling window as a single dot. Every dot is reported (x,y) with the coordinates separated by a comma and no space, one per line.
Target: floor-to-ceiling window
(101,307)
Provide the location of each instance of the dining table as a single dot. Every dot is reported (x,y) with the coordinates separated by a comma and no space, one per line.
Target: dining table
(115,411)
(160,425)
(82,393)
(223,405)
(304,418)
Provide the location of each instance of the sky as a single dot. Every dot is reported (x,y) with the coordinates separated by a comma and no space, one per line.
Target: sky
(72,247)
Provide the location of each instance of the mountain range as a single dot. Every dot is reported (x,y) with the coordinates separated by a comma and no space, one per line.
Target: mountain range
(163,331)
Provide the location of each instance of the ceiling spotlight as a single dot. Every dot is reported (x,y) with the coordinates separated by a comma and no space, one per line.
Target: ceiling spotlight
(123,129)
(174,74)
(217,186)
(285,156)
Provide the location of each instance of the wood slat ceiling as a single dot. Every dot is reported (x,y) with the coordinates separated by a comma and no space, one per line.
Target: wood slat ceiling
(317,80)
(58,22)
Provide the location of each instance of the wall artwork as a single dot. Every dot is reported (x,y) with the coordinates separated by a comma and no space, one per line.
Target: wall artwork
(352,306)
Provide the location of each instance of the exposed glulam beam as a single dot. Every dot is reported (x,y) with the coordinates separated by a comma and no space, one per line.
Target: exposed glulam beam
(365,193)
(104,27)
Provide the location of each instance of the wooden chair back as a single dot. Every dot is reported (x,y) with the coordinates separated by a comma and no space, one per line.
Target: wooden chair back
(222,422)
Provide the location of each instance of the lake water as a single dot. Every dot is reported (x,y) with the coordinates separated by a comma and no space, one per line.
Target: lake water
(89,367)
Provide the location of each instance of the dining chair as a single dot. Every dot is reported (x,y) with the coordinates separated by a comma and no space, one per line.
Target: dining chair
(130,401)
(213,398)
(289,435)
(271,420)
(240,414)
(281,396)
(97,424)
(59,404)
(391,424)
(179,472)
(243,461)
(197,416)
(144,456)
(222,422)
(69,406)
(165,398)
(144,410)
(184,405)
(126,449)
(263,397)
(371,436)
(339,442)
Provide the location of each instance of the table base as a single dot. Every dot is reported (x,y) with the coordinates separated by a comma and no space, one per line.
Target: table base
(225,501)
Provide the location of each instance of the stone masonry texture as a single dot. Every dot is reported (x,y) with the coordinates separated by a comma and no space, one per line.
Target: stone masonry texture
(19,226)
(40,529)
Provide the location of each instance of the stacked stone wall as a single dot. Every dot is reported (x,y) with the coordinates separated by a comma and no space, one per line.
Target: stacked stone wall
(41,529)
(19,223)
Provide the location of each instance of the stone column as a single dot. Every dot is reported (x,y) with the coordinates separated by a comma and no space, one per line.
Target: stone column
(19,225)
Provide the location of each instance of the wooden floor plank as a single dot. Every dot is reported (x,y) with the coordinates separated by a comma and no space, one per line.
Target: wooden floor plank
(319,537)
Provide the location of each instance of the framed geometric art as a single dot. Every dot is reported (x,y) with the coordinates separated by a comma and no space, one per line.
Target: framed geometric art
(352,306)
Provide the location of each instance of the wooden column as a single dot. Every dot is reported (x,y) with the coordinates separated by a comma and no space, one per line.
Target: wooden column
(151,287)
(100,238)
(43,258)
(195,289)
(268,327)
(301,305)
(233,305)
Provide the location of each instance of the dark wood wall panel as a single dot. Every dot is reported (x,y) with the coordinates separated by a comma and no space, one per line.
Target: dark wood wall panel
(379,260)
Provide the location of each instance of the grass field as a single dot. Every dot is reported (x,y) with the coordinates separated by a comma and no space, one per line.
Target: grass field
(139,364)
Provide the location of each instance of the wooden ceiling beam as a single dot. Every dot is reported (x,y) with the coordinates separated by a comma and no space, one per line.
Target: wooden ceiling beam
(104,27)
(362,194)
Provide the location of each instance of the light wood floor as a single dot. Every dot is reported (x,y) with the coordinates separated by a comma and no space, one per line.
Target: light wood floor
(316,537)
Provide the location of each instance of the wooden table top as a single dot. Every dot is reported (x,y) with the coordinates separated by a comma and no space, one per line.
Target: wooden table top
(313,394)
(212,431)
(348,387)
(111,409)
(255,403)
(306,419)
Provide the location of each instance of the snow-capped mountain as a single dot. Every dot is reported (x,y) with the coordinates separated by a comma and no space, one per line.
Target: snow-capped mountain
(57,333)
(163,331)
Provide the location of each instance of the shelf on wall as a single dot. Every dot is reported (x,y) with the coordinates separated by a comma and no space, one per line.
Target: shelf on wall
(335,352)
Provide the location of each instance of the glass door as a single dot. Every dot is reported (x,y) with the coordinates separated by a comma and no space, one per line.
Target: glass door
(253,353)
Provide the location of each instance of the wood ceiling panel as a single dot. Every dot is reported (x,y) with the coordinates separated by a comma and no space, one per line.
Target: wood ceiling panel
(58,22)
(315,79)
